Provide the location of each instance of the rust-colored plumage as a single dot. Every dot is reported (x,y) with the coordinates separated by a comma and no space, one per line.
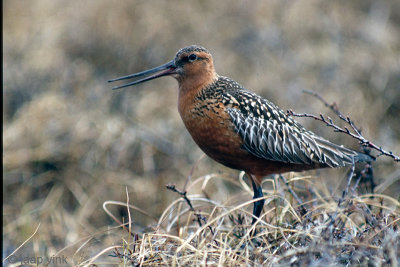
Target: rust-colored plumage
(240,129)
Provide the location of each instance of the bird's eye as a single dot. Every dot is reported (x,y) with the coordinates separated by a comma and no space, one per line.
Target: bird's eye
(192,57)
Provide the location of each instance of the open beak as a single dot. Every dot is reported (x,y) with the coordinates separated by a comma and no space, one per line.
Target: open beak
(163,70)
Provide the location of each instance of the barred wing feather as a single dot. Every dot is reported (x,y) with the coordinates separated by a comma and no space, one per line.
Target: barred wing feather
(280,141)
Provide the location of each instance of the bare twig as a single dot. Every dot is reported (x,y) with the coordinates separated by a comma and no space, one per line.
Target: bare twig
(334,107)
(172,187)
(364,142)
(356,135)
(199,217)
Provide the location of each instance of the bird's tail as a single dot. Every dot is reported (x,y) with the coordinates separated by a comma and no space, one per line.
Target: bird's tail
(338,156)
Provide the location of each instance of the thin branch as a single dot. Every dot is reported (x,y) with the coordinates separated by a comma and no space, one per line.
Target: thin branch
(334,107)
(199,217)
(172,187)
(357,135)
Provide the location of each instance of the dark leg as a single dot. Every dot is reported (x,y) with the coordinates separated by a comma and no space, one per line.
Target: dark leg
(258,205)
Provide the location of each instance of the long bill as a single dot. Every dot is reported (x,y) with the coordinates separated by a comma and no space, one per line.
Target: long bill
(163,70)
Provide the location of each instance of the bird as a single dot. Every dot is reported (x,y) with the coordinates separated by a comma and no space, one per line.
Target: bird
(241,129)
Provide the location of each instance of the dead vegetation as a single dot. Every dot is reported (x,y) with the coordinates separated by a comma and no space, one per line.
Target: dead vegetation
(323,230)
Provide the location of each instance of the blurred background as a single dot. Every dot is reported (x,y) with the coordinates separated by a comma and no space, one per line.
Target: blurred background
(70,142)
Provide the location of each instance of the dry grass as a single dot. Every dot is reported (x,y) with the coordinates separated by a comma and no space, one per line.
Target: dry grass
(71,144)
(361,230)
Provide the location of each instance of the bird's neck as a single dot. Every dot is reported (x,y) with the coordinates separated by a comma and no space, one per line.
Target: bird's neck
(196,81)
(191,87)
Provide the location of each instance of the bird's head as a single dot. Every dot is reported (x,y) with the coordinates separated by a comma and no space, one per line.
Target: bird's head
(192,67)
